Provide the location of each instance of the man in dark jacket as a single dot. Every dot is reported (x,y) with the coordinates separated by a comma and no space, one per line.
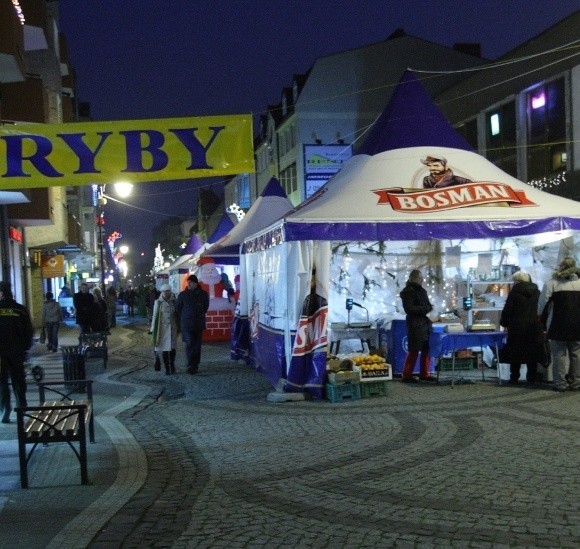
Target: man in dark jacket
(84,308)
(191,307)
(417,305)
(15,339)
(524,332)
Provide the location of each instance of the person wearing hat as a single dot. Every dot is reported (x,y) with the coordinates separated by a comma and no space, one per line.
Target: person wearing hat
(192,306)
(524,331)
(16,334)
(561,294)
(164,328)
(439,174)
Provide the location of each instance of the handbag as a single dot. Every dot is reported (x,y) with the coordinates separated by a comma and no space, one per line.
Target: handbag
(544,351)
(546,313)
(42,338)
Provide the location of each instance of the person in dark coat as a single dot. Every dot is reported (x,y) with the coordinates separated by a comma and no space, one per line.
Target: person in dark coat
(417,305)
(191,307)
(84,307)
(100,317)
(524,331)
(16,334)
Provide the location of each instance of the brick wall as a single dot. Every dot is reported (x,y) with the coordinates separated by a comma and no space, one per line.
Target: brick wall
(218,325)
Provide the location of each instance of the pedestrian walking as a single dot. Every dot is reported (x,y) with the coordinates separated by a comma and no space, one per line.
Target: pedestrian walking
(130,300)
(164,327)
(16,334)
(111,299)
(525,334)
(561,294)
(191,306)
(100,315)
(51,319)
(417,306)
(84,306)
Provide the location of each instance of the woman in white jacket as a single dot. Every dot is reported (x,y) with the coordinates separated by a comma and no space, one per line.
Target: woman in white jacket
(164,327)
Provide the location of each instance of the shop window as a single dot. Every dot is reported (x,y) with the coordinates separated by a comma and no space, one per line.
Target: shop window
(500,137)
(546,129)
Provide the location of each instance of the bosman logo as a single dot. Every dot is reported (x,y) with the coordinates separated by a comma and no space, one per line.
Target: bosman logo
(453,197)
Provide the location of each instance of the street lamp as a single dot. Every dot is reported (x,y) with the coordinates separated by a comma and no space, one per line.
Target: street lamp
(101,201)
(123,189)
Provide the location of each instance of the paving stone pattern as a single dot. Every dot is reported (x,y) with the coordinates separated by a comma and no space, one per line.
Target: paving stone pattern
(207,461)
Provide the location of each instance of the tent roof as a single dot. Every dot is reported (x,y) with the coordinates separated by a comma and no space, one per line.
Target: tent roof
(382,197)
(193,245)
(224,225)
(411,119)
(271,205)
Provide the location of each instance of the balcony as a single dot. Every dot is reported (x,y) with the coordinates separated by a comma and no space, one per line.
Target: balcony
(12,66)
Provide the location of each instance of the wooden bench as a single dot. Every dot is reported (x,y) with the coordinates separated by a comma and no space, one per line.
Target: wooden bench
(61,420)
(95,345)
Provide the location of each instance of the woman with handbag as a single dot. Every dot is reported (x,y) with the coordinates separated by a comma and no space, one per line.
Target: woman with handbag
(524,330)
(164,328)
(51,319)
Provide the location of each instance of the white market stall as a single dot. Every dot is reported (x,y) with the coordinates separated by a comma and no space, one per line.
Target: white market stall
(272,204)
(382,215)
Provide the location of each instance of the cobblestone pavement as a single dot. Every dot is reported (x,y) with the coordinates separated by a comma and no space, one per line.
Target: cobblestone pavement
(207,461)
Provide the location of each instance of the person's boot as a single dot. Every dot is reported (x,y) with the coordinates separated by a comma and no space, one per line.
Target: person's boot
(166,362)
(6,416)
(157,364)
(172,354)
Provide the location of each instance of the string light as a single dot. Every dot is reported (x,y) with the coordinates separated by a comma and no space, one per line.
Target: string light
(546,183)
(19,12)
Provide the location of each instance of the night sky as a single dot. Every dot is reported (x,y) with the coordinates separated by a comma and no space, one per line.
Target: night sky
(143,59)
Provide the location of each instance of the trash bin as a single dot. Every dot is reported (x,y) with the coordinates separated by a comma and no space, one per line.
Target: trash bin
(73,363)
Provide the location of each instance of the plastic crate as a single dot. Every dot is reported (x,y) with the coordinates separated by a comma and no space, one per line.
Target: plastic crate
(446,364)
(340,393)
(342,377)
(373,388)
(383,374)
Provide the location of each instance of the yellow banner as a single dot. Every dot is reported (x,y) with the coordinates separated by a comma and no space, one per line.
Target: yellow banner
(50,155)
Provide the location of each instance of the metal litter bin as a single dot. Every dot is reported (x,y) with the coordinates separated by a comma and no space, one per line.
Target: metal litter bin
(73,363)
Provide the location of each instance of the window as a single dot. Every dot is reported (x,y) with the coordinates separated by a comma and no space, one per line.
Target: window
(243,191)
(288,179)
(546,129)
(500,137)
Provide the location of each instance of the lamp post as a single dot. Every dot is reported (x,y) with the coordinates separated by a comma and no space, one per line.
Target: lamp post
(101,201)
(123,189)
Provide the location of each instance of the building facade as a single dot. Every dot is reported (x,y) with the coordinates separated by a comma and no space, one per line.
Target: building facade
(521,111)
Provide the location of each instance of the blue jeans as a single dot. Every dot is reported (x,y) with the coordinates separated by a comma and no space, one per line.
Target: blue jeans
(52,335)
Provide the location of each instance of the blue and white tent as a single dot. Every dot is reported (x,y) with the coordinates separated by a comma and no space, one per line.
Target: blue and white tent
(388,210)
(270,206)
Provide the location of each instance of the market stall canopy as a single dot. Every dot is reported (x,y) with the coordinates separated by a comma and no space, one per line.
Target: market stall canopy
(271,205)
(193,245)
(224,226)
(417,179)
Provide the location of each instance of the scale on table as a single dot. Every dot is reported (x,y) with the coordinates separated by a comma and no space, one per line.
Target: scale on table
(349,305)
